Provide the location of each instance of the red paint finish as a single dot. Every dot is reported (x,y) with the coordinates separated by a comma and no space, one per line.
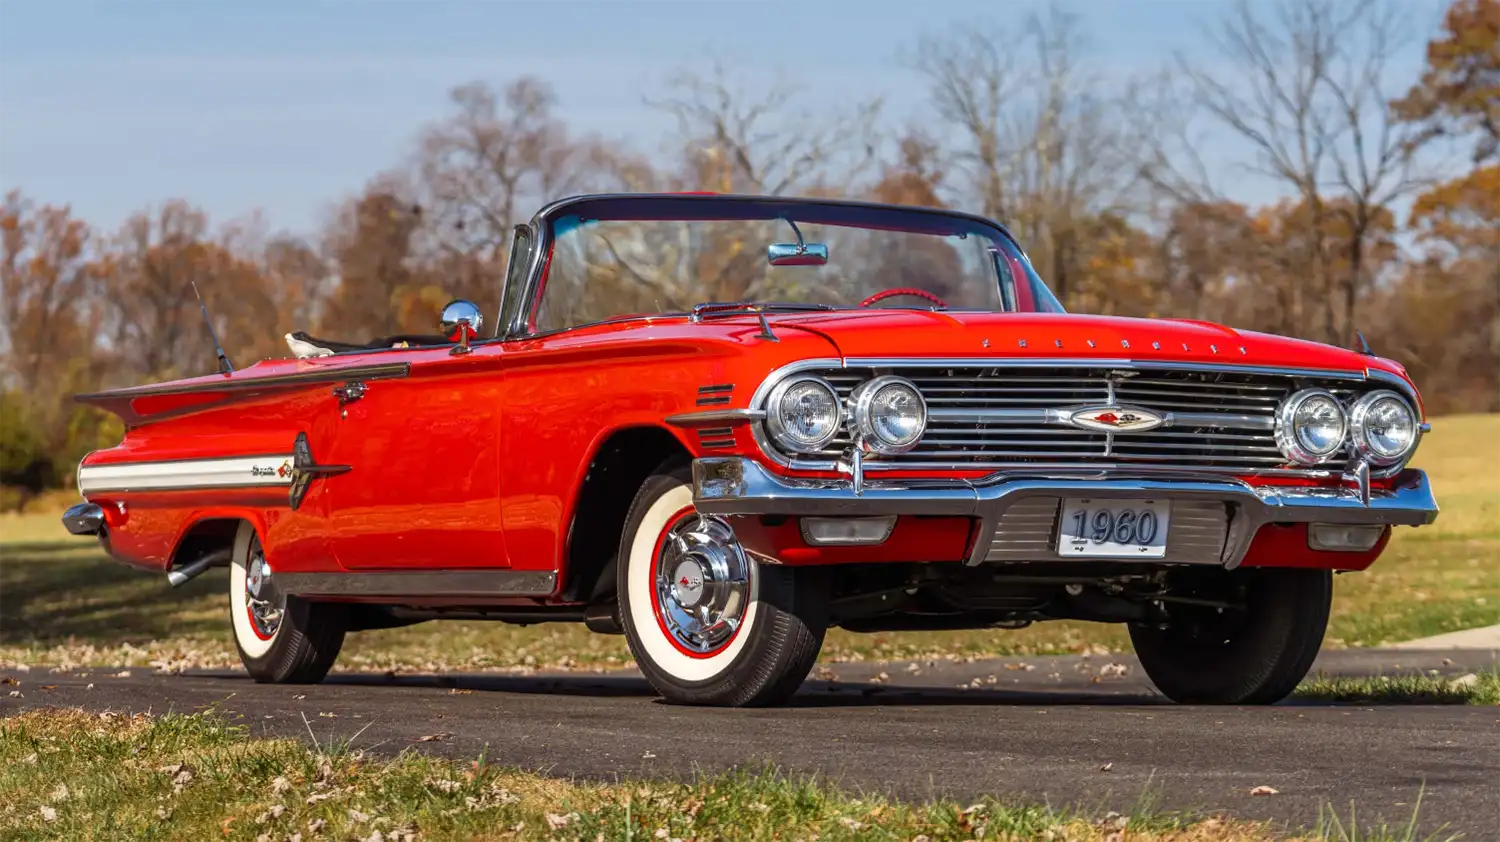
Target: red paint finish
(912,539)
(1285,545)
(477,460)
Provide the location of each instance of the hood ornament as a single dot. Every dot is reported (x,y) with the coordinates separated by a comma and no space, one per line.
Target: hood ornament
(1115,419)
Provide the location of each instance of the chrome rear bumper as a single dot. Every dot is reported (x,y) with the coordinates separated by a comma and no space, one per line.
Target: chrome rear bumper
(740,486)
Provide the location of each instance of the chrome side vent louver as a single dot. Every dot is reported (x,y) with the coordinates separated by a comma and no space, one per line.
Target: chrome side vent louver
(715,395)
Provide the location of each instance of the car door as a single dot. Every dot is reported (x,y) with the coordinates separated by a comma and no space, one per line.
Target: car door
(422,489)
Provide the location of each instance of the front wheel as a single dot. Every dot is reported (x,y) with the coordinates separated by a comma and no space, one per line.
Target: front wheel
(281,639)
(707,624)
(1255,653)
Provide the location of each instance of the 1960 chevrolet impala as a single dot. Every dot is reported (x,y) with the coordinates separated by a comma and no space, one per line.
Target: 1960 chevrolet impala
(721,424)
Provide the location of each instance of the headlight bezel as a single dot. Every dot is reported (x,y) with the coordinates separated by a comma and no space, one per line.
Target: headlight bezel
(1359,413)
(1288,439)
(777,431)
(861,418)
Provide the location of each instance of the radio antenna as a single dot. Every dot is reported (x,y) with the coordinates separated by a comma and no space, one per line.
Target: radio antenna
(225,367)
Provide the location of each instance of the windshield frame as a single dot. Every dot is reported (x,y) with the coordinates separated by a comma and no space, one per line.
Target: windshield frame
(517,318)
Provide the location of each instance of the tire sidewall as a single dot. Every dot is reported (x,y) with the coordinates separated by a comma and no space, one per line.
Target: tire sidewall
(255,651)
(657,506)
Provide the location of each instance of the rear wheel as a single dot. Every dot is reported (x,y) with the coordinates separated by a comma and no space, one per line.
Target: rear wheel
(281,639)
(707,624)
(1254,656)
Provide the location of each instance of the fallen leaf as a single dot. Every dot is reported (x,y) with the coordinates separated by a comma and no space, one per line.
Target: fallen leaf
(1265,790)
(433,738)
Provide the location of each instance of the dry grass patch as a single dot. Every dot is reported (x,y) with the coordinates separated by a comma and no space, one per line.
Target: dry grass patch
(65,774)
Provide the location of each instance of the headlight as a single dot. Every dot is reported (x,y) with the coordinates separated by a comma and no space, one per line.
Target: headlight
(1310,426)
(889,414)
(803,413)
(1384,428)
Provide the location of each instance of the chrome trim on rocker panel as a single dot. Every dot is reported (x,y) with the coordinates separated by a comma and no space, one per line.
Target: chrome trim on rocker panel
(730,486)
(421,583)
(1225,421)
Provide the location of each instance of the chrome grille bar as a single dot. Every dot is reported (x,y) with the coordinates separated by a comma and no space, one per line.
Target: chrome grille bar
(995,415)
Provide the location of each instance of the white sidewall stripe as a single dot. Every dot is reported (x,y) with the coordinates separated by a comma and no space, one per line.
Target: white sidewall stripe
(239,606)
(236,472)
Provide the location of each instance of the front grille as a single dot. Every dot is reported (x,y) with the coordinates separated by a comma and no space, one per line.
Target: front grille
(1027,531)
(998,417)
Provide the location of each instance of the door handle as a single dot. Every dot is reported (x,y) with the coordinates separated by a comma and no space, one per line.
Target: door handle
(349,392)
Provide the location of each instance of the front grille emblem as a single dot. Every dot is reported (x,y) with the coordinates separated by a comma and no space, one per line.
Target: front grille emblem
(1115,419)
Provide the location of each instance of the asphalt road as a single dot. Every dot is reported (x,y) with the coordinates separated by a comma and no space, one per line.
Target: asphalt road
(1069,730)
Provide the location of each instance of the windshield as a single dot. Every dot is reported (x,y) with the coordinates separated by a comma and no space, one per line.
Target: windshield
(636,256)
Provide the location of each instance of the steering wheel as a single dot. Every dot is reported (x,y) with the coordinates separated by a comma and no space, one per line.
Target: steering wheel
(892,293)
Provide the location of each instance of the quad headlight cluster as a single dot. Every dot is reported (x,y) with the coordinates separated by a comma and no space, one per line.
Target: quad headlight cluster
(885,415)
(1312,427)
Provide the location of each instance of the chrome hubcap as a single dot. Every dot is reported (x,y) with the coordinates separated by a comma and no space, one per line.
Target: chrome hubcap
(267,603)
(702,583)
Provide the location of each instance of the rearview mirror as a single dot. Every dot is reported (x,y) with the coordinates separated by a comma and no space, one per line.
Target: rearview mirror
(797,254)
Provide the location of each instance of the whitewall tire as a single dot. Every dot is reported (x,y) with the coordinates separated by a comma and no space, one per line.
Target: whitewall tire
(281,639)
(707,624)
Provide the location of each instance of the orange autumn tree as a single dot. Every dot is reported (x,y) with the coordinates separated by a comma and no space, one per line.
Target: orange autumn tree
(1459,93)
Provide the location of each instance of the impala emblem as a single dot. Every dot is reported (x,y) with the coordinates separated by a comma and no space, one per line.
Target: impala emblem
(1116,419)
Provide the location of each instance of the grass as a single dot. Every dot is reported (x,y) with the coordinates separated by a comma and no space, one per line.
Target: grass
(66,774)
(62,602)
(1481,688)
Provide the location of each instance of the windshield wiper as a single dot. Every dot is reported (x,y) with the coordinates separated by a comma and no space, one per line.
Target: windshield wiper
(719,309)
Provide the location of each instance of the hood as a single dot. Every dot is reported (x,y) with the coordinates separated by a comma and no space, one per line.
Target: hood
(919,333)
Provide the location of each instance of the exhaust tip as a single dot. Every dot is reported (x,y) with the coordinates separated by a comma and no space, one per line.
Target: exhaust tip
(84,519)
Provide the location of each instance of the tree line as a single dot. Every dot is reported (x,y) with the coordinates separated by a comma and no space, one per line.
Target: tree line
(1118,188)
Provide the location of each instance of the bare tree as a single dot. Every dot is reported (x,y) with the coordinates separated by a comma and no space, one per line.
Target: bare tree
(1301,82)
(1042,142)
(737,141)
(482,167)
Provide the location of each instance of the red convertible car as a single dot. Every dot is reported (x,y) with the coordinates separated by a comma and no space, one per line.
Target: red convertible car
(722,424)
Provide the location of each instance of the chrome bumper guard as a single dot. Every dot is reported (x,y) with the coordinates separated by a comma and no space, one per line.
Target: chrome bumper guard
(740,486)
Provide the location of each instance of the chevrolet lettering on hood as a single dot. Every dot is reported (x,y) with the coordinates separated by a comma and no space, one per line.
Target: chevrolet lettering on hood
(722,425)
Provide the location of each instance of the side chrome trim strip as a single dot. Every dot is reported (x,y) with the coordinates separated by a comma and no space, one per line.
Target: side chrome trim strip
(329,374)
(714,416)
(233,472)
(421,583)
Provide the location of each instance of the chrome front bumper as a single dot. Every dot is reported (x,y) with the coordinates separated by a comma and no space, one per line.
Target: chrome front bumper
(740,486)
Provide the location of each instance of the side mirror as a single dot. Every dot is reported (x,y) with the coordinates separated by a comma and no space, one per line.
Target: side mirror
(797,254)
(461,323)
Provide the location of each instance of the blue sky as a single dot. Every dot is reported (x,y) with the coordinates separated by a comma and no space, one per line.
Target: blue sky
(289,107)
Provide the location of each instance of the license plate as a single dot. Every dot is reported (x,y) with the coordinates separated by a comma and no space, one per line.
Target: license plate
(1102,528)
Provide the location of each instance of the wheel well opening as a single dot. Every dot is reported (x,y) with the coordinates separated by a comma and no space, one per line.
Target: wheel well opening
(204,537)
(614,475)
